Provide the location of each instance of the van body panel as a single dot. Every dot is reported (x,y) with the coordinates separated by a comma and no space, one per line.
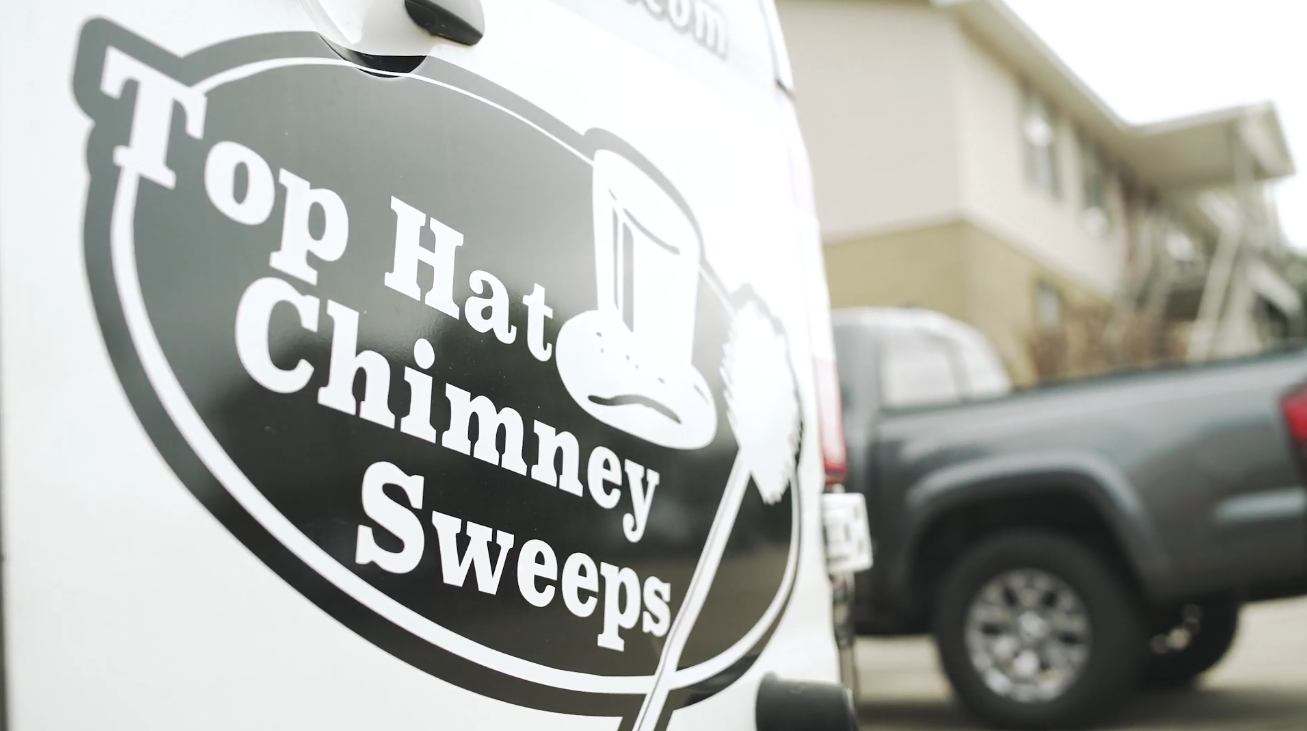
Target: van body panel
(402,386)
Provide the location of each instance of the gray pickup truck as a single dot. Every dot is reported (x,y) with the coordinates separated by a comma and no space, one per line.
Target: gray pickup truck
(1065,543)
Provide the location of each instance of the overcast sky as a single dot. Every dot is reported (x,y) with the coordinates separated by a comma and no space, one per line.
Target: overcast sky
(1155,59)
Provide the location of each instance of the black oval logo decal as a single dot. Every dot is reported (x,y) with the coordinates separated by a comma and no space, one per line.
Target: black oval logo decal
(458,373)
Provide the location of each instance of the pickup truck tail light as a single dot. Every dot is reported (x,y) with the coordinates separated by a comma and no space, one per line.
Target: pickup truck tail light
(830,413)
(1294,408)
(830,421)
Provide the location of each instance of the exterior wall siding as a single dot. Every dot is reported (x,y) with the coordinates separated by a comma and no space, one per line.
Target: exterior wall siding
(995,189)
(960,270)
(918,267)
(875,94)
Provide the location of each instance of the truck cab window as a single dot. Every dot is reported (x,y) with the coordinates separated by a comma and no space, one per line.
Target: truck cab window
(916,370)
(985,374)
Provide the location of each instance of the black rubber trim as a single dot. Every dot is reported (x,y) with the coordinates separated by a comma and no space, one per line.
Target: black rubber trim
(461,21)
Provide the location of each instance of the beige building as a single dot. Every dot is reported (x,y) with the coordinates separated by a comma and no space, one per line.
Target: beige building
(960,166)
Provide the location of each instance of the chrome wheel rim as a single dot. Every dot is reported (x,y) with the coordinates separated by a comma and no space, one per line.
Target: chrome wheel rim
(1028,635)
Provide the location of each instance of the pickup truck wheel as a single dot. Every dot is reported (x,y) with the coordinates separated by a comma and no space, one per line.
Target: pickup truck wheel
(1202,637)
(1036,631)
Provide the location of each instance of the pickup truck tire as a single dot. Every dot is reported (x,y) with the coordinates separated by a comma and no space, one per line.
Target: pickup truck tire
(1212,633)
(1091,622)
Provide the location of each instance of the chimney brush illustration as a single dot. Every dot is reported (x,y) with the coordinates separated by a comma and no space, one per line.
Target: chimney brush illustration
(628,363)
(763,408)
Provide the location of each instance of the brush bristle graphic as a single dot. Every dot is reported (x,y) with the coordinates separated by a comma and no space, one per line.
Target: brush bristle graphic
(761,402)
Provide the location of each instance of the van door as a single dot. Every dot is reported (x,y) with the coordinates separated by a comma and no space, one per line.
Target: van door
(358,376)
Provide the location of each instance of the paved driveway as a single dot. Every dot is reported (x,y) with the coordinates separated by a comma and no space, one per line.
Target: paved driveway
(1262,685)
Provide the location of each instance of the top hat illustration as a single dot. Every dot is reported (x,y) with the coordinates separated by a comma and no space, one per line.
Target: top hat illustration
(628,361)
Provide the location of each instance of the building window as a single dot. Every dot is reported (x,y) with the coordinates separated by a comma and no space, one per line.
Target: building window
(1093,177)
(1182,245)
(1048,306)
(1039,134)
(1179,244)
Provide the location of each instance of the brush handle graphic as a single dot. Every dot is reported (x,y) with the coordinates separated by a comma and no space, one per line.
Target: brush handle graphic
(651,711)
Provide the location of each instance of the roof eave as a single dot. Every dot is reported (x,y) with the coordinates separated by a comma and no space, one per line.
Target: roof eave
(1006,36)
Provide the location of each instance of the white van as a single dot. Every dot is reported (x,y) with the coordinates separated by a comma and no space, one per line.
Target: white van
(457,364)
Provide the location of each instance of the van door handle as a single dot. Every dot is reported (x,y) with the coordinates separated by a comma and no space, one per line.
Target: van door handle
(461,21)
